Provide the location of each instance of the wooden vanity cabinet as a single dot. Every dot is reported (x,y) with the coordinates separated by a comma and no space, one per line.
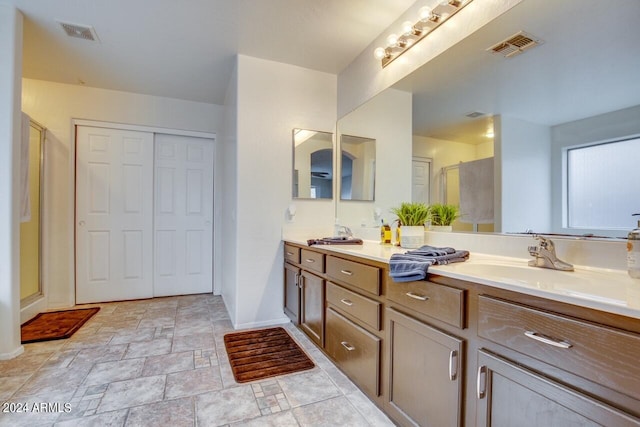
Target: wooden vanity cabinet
(512,395)
(292,292)
(304,290)
(444,352)
(426,362)
(312,306)
(425,373)
(552,369)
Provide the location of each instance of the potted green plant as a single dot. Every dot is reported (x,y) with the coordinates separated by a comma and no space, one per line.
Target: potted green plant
(411,218)
(442,216)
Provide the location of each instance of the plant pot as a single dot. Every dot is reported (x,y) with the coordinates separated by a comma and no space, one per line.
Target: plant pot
(441,228)
(412,237)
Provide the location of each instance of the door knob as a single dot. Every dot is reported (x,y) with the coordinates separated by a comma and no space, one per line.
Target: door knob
(81,223)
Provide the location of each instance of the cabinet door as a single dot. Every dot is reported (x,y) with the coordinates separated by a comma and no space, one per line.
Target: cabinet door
(292,293)
(312,306)
(510,395)
(425,373)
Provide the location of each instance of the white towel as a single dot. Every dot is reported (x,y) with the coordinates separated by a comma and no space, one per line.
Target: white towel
(25,199)
(476,191)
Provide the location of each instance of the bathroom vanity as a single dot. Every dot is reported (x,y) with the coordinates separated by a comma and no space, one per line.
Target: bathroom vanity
(487,342)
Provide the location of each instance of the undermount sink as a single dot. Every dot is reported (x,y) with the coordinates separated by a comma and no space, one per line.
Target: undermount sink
(586,284)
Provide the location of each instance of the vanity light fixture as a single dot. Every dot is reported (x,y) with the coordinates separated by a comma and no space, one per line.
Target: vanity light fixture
(428,20)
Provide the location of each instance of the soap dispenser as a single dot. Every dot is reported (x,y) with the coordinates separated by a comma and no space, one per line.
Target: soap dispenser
(633,251)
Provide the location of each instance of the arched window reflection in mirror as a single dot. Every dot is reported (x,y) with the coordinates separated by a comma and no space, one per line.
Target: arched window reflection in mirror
(358,168)
(312,164)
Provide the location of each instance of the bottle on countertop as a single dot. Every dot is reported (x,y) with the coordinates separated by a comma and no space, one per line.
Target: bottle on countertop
(385,233)
(633,251)
(398,232)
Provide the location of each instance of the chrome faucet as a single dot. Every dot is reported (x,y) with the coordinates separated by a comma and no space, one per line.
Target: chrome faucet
(545,256)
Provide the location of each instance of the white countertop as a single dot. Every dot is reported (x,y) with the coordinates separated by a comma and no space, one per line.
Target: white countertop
(607,290)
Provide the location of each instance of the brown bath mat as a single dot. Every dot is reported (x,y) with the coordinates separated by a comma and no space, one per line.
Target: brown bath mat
(55,325)
(255,355)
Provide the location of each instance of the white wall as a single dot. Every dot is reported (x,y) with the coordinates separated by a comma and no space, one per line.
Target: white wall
(10,133)
(365,77)
(523,175)
(228,188)
(604,127)
(273,98)
(387,119)
(55,105)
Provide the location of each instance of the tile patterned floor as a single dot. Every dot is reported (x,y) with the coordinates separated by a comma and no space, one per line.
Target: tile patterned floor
(162,362)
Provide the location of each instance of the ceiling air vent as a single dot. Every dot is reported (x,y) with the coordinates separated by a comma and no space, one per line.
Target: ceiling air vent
(515,44)
(474,114)
(85,32)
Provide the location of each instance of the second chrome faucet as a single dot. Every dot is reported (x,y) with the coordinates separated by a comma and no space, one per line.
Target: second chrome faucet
(545,256)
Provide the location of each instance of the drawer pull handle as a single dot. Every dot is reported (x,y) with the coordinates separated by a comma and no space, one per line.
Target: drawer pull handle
(348,346)
(289,253)
(481,382)
(346,302)
(544,339)
(453,365)
(416,296)
(347,272)
(310,260)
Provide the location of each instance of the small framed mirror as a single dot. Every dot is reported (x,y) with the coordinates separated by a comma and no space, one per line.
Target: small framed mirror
(357,168)
(312,164)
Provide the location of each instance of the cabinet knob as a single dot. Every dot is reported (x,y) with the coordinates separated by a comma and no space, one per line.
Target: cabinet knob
(310,260)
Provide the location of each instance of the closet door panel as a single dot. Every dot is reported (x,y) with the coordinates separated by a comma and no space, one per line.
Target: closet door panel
(184,211)
(114,214)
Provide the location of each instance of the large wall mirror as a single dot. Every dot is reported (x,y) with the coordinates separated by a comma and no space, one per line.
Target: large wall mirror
(312,164)
(576,85)
(357,168)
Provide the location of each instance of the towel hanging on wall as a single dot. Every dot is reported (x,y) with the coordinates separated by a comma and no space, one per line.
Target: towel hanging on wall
(25,199)
(476,191)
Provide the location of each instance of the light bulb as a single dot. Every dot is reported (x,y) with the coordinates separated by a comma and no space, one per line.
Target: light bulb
(392,40)
(425,13)
(407,28)
(380,53)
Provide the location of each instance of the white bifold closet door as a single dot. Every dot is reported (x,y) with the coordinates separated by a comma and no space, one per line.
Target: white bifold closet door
(114,212)
(144,221)
(183,225)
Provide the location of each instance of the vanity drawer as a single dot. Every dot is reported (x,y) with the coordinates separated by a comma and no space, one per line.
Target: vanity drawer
(598,353)
(356,351)
(312,260)
(362,308)
(359,275)
(438,301)
(291,253)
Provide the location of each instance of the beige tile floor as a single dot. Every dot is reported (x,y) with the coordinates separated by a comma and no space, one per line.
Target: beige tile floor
(162,362)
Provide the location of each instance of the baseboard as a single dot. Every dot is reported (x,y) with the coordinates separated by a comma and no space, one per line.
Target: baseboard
(253,325)
(15,353)
(31,310)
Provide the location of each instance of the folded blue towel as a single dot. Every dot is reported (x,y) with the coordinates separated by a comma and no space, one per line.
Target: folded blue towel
(414,265)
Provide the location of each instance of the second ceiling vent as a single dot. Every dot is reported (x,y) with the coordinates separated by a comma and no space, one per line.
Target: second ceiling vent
(85,32)
(515,45)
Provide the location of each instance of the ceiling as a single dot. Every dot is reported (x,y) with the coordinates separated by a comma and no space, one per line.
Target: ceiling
(185,49)
(588,64)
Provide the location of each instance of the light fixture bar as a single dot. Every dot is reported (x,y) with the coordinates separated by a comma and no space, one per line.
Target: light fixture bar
(429,19)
